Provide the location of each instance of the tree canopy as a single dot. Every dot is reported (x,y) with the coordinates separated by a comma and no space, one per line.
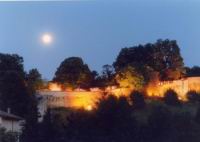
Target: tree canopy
(34,80)
(13,91)
(17,90)
(11,63)
(194,71)
(163,56)
(129,78)
(73,72)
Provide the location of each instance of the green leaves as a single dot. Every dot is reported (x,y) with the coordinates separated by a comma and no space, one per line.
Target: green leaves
(129,78)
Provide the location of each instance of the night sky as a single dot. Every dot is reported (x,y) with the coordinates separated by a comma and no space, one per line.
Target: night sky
(95,30)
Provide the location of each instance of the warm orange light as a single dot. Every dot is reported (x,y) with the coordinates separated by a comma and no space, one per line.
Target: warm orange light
(54,87)
(89,108)
(80,98)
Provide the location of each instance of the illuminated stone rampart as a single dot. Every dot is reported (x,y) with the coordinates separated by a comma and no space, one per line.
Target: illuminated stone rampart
(88,99)
(181,87)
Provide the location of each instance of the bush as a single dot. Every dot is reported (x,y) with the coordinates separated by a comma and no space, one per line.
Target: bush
(197,117)
(159,123)
(171,98)
(7,136)
(137,100)
(111,121)
(193,96)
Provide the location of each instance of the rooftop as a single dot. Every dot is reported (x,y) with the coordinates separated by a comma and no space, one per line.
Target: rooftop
(9,116)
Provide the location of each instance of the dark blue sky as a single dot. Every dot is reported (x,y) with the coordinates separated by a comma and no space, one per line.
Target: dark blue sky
(96,30)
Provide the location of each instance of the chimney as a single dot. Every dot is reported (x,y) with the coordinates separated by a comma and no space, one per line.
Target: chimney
(8,110)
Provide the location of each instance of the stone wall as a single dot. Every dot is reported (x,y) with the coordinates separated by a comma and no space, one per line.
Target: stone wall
(87,99)
(68,99)
(180,86)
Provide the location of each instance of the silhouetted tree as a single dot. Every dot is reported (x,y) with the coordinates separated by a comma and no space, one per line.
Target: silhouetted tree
(159,124)
(163,57)
(15,90)
(73,72)
(171,98)
(115,119)
(14,93)
(108,75)
(184,129)
(197,116)
(47,132)
(34,80)
(193,96)
(11,63)
(137,99)
(111,121)
(6,136)
(168,59)
(192,72)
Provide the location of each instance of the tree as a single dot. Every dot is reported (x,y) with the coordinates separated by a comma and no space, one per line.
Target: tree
(16,92)
(137,99)
(11,63)
(47,130)
(163,57)
(171,98)
(166,56)
(192,72)
(197,116)
(13,91)
(114,119)
(193,96)
(159,124)
(34,80)
(7,136)
(135,56)
(108,75)
(73,72)
(172,74)
(129,78)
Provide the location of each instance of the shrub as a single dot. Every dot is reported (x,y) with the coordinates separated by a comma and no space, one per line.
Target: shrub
(171,98)
(197,117)
(7,136)
(137,99)
(193,96)
(159,123)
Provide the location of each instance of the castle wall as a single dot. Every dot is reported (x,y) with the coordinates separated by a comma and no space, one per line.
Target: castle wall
(70,99)
(87,99)
(181,87)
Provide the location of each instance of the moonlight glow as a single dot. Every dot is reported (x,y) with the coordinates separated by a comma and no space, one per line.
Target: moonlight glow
(47,38)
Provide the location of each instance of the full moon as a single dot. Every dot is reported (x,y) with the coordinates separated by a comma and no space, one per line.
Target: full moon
(47,38)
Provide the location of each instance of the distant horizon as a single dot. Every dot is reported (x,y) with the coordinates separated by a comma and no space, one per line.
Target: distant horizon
(95,31)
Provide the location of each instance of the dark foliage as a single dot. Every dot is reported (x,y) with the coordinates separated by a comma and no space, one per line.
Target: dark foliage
(34,80)
(193,72)
(163,57)
(74,73)
(171,98)
(197,117)
(8,136)
(193,96)
(159,124)
(115,120)
(137,100)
